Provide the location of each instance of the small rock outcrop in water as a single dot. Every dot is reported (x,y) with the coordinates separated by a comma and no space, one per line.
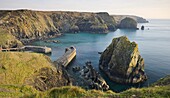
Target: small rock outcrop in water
(128,23)
(142,27)
(122,62)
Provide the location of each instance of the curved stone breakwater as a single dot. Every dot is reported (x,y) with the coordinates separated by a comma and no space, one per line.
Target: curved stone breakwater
(68,56)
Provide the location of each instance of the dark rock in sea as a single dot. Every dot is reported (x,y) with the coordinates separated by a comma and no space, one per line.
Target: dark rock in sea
(122,63)
(142,27)
(54,41)
(76,68)
(93,78)
(100,52)
(128,23)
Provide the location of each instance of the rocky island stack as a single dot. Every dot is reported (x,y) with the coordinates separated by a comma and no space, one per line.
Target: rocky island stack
(128,23)
(122,62)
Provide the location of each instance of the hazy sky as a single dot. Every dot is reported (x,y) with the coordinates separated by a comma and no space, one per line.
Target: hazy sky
(145,8)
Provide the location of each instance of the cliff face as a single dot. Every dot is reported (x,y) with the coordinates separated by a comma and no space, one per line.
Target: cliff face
(27,24)
(128,23)
(109,20)
(75,22)
(122,62)
(32,69)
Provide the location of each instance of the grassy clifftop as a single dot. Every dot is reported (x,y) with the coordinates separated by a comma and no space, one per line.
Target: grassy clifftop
(30,69)
(15,68)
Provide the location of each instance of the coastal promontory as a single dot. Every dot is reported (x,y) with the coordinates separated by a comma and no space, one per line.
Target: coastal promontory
(122,62)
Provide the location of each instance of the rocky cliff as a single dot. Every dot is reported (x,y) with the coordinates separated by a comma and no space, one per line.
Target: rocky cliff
(128,23)
(122,62)
(27,25)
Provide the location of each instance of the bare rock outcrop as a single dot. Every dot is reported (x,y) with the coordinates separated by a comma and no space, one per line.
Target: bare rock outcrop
(122,62)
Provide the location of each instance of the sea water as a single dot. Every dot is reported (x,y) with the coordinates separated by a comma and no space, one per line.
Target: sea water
(153,43)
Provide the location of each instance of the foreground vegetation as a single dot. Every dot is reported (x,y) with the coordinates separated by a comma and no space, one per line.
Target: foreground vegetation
(16,68)
(76,92)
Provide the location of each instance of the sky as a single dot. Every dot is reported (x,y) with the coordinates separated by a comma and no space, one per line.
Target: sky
(150,9)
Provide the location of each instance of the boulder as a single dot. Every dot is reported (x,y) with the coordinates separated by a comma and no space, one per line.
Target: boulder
(128,23)
(122,62)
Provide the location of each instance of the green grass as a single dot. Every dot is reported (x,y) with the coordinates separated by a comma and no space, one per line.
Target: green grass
(77,92)
(18,67)
(150,92)
(162,81)
(18,91)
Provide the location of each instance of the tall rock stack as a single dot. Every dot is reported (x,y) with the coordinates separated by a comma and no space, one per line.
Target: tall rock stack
(122,63)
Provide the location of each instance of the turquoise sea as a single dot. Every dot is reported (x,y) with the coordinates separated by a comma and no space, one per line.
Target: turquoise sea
(153,42)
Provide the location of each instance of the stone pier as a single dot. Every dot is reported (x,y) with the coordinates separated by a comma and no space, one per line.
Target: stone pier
(68,56)
(39,49)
